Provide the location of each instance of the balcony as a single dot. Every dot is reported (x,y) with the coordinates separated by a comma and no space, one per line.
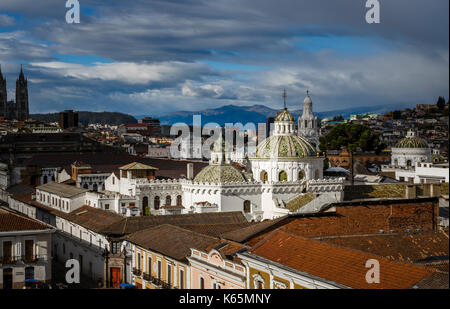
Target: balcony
(137,272)
(27,259)
(160,283)
(147,277)
(5,260)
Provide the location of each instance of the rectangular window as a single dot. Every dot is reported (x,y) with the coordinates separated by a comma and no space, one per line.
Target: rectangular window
(159,269)
(106,206)
(7,251)
(115,247)
(139,261)
(181,279)
(149,266)
(29,250)
(169,275)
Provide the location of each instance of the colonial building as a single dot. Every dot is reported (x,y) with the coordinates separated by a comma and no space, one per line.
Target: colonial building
(25,250)
(287,261)
(18,110)
(160,256)
(217,267)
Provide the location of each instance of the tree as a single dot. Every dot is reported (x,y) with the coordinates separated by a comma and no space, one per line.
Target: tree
(351,137)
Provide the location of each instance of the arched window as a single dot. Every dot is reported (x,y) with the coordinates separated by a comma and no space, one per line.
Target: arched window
(202,283)
(168,200)
(179,200)
(301,175)
(247,207)
(282,176)
(408,163)
(145,208)
(264,176)
(95,187)
(45,179)
(85,186)
(156,203)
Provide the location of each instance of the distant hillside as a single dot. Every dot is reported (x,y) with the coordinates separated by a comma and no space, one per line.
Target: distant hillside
(86,118)
(259,114)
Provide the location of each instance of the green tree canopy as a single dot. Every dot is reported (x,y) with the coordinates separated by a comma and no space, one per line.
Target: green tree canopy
(351,136)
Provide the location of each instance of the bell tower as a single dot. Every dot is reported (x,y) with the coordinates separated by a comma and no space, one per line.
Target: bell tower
(22,97)
(308,123)
(3,96)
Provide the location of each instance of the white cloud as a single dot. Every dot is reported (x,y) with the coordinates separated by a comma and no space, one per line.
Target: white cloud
(126,72)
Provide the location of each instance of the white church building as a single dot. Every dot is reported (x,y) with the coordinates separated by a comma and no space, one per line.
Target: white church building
(283,167)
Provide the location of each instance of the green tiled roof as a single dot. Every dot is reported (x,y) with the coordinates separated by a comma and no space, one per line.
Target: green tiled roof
(220,174)
(285,146)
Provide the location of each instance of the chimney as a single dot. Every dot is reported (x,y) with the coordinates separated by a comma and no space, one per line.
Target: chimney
(410,191)
(190,171)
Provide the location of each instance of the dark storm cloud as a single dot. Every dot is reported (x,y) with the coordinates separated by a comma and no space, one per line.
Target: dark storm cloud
(157,49)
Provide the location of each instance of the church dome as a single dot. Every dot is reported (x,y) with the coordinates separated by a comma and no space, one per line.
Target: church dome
(220,174)
(411,141)
(284,116)
(307,99)
(285,146)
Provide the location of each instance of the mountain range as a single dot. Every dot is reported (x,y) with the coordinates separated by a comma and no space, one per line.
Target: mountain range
(259,114)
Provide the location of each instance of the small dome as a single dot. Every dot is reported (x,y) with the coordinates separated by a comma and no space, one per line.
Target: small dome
(284,116)
(412,142)
(220,174)
(285,146)
(307,99)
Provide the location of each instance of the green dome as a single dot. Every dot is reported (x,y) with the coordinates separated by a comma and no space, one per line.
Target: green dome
(412,142)
(285,146)
(220,174)
(284,116)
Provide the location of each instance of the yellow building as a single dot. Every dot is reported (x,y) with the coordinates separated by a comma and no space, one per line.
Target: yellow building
(160,256)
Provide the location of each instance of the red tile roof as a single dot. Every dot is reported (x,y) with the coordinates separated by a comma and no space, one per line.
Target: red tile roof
(171,241)
(337,264)
(13,221)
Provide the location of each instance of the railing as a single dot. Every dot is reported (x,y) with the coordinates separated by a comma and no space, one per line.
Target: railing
(147,277)
(24,258)
(137,272)
(160,283)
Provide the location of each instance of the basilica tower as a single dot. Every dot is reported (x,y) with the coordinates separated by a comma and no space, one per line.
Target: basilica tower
(308,123)
(22,97)
(3,96)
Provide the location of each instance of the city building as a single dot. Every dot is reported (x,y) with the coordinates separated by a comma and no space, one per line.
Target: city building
(25,250)
(68,119)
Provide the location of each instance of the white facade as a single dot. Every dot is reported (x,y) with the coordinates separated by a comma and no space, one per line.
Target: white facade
(38,268)
(59,202)
(408,157)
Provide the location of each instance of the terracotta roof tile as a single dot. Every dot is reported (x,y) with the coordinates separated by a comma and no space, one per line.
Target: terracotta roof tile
(337,264)
(10,221)
(171,241)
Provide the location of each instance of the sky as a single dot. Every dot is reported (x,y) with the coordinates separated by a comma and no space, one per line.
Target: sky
(154,57)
